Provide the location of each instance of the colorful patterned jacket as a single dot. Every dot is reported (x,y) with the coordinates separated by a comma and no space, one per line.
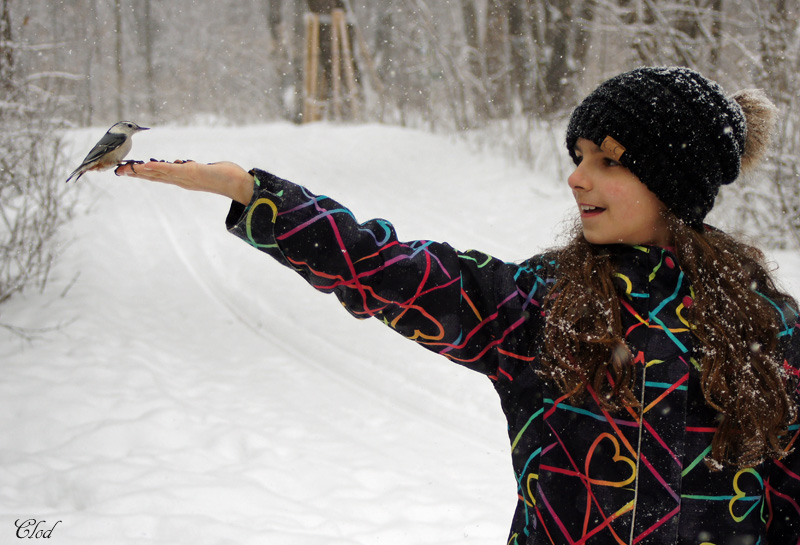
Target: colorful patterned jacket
(584,475)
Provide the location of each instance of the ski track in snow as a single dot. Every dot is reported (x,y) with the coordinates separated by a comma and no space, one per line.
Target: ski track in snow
(194,391)
(355,380)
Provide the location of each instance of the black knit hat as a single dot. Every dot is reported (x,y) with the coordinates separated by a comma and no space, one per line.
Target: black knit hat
(673,128)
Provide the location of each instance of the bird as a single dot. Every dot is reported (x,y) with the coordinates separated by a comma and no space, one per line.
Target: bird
(110,150)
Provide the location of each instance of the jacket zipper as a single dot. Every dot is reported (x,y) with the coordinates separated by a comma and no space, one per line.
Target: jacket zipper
(638,456)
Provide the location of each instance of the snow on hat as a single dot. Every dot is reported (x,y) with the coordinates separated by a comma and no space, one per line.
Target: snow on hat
(676,131)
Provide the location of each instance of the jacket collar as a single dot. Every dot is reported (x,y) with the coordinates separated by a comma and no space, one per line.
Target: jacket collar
(642,265)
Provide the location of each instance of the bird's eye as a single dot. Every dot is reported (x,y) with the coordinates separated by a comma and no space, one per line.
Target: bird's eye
(130,126)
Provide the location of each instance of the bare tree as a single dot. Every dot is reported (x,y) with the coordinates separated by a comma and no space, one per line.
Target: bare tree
(685,32)
(497,59)
(491,65)
(474,66)
(519,51)
(89,67)
(778,73)
(120,95)
(559,45)
(6,46)
(32,204)
(149,70)
(287,66)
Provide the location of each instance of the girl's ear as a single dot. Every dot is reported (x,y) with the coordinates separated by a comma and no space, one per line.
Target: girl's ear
(761,116)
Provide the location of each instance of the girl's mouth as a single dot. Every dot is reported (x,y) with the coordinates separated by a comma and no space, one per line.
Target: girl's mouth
(588,211)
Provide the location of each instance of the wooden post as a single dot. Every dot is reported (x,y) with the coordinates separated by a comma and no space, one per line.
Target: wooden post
(336,66)
(314,90)
(339,25)
(310,82)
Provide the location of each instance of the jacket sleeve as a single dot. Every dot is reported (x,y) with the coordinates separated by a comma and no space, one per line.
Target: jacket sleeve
(783,487)
(467,306)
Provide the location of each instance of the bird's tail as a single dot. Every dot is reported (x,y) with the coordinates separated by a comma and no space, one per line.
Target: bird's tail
(74,172)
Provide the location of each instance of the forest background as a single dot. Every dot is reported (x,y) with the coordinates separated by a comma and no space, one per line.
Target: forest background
(504,73)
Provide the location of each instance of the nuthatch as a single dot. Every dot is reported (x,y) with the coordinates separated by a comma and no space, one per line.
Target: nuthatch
(110,150)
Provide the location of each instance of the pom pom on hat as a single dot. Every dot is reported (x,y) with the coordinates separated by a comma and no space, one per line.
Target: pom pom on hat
(762,116)
(680,134)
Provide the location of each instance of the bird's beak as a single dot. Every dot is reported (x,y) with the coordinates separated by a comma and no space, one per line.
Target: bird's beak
(144,128)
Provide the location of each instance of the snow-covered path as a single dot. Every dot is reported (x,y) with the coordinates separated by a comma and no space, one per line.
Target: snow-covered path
(193,391)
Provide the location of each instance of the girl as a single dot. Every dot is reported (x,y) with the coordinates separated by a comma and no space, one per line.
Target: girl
(648,369)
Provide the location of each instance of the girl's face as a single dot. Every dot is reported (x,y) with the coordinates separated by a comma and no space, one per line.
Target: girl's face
(615,206)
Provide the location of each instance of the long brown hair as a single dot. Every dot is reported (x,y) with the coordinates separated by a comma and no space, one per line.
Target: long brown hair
(735,325)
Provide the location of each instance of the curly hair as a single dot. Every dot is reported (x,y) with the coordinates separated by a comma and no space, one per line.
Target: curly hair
(733,321)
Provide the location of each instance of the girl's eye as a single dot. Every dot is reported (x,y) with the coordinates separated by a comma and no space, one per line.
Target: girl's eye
(578,159)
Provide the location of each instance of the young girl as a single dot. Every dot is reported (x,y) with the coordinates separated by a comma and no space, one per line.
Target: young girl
(648,369)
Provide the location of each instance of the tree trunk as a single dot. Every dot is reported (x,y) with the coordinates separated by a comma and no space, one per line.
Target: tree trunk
(475,85)
(774,47)
(583,33)
(118,57)
(88,104)
(279,46)
(6,48)
(470,18)
(519,52)
(778,75)
(637,19)
(274,18)
(557,73)
(149,70)
(497,66)
(388,69)
(324,6)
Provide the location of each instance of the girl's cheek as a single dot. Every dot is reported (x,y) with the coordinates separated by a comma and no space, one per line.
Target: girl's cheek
(616,191)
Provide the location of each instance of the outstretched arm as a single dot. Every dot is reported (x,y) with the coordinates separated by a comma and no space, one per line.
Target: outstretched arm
(226,179)
(467,306)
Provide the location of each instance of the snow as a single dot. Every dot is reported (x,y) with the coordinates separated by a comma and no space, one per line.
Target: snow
(184,388)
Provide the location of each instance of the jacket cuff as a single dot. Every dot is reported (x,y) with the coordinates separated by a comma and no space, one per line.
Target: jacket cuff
(262,180)
(255,222)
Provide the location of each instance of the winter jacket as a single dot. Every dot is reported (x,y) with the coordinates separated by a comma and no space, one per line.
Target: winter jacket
(584,475)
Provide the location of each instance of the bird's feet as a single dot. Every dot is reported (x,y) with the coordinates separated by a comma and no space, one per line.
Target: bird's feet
(127,162)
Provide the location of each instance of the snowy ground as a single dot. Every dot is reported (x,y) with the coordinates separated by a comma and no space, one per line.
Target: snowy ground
(186,389)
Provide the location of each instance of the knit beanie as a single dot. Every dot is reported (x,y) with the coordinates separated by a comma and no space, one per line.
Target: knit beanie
(677,132)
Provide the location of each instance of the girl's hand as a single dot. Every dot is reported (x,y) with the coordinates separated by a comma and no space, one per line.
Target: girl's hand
(226,179)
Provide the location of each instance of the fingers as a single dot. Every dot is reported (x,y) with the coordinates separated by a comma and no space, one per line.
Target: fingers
(223,178)
(155,169)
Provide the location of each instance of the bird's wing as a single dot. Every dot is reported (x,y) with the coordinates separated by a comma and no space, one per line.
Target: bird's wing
(109,142)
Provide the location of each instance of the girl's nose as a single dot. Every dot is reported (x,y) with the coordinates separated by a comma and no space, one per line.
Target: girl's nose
(578,180)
